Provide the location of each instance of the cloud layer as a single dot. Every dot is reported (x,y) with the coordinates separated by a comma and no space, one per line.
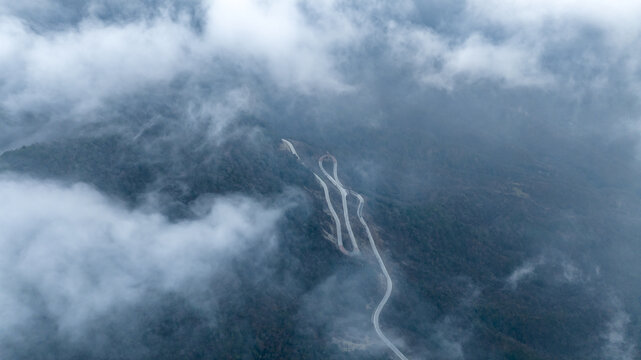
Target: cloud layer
(69,62)
(70,254)
(97,59)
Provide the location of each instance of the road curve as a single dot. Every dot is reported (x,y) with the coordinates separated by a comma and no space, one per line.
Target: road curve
(291,148)
(344,193)
(359,212)
(337,221)
(377,313)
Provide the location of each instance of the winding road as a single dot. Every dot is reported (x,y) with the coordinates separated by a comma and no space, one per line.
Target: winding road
(291,148)
(344,193)
(388,291)
(359,212)
(337,221)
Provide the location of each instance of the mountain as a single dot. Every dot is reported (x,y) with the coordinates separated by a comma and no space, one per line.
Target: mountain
(452,250)
(302,179)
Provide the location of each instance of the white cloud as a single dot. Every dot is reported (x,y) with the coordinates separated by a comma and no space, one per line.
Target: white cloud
(443,62)
(83,66)
(571,273)
(217,114)
(618,345)
(279,35)
(551,25)
(509,42)
(301,46)
(618,19)
(512,64)
(294,43)
(523,271)
(81,254)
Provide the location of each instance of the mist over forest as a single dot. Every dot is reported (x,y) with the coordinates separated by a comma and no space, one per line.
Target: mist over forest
(151,206)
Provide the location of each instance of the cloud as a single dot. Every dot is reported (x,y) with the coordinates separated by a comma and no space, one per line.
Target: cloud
(618,20)
(83,58)
(588,40)
(523,271)
(555,266)
(217,114)
(571,273)
(205,60)
(444,62)
(70,254)
(300,45)
(82,67)
(522,43)
(340,310)
(618,344)
(279,35)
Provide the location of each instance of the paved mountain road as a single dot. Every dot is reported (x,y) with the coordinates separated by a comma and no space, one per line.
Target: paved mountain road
(359,212)
(291,148)
(344,193)
(388,291)
(337,221)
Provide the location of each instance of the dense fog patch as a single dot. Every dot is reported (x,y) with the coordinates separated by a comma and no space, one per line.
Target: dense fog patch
(72,255)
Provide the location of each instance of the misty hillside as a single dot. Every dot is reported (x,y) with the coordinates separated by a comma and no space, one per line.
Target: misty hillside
(455,246)
(420,179)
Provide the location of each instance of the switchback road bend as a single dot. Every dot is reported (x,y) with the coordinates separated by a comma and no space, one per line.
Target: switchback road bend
(339,238)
